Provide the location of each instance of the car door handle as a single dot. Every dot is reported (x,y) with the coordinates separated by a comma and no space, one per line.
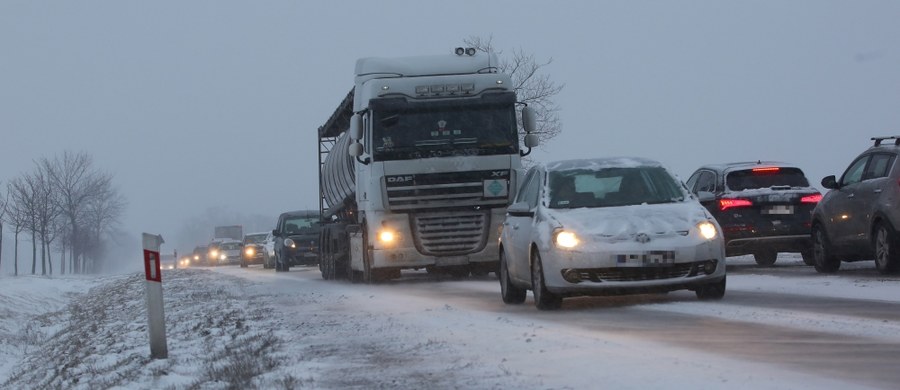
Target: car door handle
(877,190)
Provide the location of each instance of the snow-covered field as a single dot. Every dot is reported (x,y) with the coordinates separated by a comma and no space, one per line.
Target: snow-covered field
(234,328)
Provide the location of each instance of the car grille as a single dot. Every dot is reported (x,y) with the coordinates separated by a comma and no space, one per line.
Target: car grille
(450,234)
(470,190)
(633,274)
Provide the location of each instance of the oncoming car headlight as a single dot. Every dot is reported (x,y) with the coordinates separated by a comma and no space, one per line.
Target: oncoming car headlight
(565,239)
(289,243)
(707,230)
(249,251)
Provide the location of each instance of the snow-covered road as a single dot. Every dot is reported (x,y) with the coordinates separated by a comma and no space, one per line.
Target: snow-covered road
(779,328)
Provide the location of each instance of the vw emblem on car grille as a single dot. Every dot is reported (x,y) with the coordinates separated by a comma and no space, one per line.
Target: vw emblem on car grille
(642,238)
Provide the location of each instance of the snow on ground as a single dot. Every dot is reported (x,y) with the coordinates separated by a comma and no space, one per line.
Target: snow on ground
(233,328)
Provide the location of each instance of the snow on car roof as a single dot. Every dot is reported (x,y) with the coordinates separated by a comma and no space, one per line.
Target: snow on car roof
(601,163)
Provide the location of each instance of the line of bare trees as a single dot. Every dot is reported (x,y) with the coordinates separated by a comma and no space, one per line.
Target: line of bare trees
(64,204)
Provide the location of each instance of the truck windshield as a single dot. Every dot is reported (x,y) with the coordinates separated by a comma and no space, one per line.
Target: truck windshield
(406,132)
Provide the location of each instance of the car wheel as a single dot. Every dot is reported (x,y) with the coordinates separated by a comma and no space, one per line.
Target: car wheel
(510,293)
(765,257)
(809,258)
(825,261)
(711,291)
(543,299)
(280,265)
(887,252)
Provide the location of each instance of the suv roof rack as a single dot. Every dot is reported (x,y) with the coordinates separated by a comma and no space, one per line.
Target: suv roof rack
(878,140)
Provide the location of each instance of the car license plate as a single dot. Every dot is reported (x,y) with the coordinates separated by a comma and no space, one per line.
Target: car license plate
(453,260)
(645,259)
(780,209)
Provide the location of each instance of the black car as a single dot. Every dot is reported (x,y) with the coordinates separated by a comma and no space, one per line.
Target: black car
(296,239)
(860,217)
(764,207)
(200,255)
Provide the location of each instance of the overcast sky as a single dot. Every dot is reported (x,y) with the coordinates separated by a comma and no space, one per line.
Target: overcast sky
(199,104)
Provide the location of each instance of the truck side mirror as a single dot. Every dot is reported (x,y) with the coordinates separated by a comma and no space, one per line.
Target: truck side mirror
(355,149)
(356,128)
(529,120)
(531,140)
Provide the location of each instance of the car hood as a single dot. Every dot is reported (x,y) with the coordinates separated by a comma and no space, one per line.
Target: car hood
(625,222)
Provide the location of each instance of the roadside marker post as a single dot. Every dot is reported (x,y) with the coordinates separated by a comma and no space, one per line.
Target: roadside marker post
(156,320)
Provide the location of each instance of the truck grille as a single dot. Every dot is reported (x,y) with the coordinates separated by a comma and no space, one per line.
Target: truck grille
(456,190)
(450,234)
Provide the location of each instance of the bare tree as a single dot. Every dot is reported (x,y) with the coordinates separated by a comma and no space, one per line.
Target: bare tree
(4,201)
(76,183)
(17,215)
(101,215)
(532,86)
(24,192)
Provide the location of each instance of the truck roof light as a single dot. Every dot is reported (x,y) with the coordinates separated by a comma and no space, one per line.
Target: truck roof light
(437,88)
(460,51)
(499,82)
(421,89)
(467,87)
(385,88)
(470,51)
(452,88)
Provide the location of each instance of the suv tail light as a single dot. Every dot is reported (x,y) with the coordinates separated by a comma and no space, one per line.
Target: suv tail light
(725,204)
(811,198)
(766,170)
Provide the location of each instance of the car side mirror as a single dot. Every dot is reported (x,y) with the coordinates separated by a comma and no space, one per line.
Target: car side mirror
(705,196)
(275,233)
(520,209)
(830,182)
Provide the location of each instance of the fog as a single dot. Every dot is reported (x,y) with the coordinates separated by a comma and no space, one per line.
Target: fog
(210,108)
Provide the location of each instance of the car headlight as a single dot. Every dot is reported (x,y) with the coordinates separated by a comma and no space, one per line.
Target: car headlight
(707,230)
(249,251)
(196,257)
(565,239)
(214,253)
(289,243)
(223,257)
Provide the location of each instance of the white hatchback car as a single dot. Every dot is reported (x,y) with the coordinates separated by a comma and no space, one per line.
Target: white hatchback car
(607,227)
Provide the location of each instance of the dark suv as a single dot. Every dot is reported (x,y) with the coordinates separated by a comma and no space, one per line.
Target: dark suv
(297,239)
(764,207)
(859,217)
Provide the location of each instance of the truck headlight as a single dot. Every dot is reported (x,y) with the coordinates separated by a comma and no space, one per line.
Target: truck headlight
(565,239)
(387,236)
(707,230)
(223,257)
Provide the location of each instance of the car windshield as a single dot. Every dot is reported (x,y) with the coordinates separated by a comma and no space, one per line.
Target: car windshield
(299,224)
(404,132)
(747,179)
(230,246)
(613,187)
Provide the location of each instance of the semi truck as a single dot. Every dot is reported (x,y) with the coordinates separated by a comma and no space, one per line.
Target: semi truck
(233,232)
(417,165)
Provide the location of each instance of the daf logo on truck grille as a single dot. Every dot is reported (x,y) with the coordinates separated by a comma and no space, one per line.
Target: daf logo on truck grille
(399,179)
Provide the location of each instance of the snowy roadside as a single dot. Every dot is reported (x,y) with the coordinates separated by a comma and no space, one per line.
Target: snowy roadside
(236,328)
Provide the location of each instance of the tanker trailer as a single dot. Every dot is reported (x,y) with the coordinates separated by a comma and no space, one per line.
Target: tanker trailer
(417,166)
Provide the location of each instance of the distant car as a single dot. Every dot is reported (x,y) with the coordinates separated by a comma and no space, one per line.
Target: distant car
(764,207)
(858,219)
(200,255)
(229,252)
(607,227)
(253,251)
(296,239)
(269,251)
